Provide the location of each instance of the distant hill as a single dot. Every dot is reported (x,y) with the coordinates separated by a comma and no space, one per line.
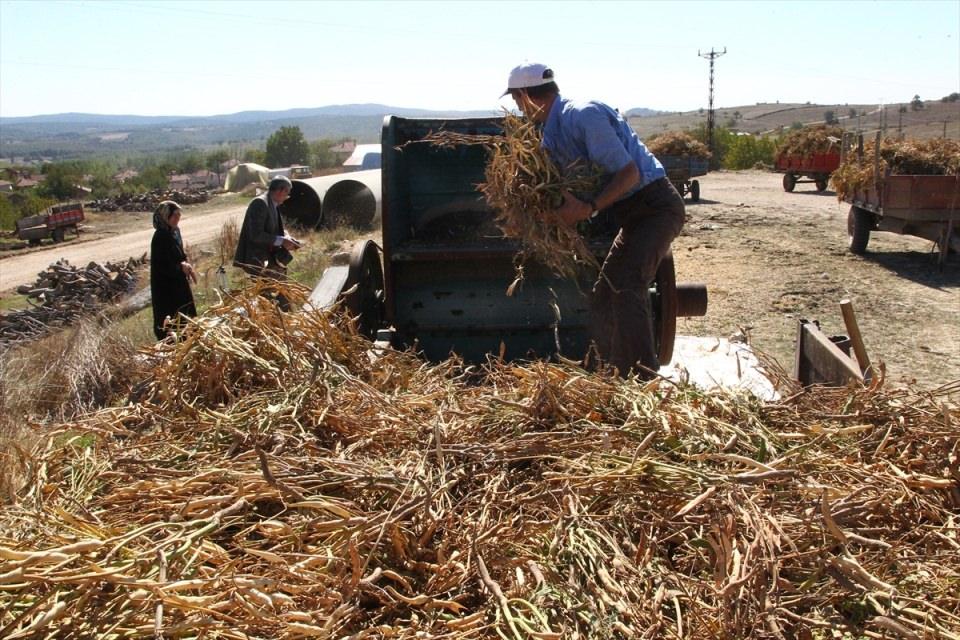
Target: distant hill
(77,135)
(642,112)
(769,118)
(85,135)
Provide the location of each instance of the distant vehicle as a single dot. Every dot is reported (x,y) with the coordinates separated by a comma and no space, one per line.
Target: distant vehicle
(300,172)
(52,223)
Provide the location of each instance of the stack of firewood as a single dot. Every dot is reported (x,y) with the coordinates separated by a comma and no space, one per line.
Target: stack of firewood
(149,200)
(63,292)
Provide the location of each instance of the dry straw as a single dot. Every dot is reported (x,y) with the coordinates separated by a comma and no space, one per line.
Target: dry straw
(278,478)
(524,187)
(678,144)
(937,156)
(820,138)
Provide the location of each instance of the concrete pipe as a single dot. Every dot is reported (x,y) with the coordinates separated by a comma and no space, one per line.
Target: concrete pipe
(342,199)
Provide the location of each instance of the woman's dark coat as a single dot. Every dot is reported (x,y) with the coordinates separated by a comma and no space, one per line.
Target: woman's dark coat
(169,286)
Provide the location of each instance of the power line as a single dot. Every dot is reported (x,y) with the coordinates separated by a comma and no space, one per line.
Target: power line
(713,55)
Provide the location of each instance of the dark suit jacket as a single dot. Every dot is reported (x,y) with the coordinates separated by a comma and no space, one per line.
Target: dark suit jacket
(169,287)
(261,226)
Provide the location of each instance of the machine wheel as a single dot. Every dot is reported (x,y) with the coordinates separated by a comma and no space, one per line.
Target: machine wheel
(665,309)
(789,182)
(695,191)
(859,224)
(58,234)
(366,302)
(34,242)
(821,182)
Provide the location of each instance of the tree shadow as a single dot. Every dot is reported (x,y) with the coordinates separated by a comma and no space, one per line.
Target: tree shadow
(919,267)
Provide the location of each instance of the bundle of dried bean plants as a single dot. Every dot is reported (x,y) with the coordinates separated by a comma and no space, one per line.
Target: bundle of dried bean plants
(524,187)
(819,138)
(937,157)
(277,478)
(679,144)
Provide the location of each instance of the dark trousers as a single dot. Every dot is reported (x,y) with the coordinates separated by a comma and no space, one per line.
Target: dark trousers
(621,319)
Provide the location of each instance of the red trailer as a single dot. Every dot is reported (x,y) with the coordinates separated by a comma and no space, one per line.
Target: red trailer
(815,166)
(53,223)
(923,206)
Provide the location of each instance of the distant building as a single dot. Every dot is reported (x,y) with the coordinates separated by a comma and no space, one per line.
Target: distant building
(343,150)
(125,175)
(6,186)
(364,156)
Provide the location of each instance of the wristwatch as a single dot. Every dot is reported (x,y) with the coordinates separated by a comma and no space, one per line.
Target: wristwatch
(593,206)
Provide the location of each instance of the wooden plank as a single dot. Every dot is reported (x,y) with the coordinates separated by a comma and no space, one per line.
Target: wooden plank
(856,339)
(818,360)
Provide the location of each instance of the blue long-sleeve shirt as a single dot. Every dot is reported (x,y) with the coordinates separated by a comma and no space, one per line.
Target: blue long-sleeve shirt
(596,133)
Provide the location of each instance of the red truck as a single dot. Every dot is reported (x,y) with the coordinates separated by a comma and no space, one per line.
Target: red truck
(815,166)
(53,223)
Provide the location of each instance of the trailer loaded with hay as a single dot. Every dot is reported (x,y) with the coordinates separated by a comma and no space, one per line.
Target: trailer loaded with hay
(905,187)
(447,266)
(812,153)
(684,158)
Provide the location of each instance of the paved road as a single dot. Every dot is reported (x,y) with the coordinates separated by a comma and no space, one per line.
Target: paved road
(23,269)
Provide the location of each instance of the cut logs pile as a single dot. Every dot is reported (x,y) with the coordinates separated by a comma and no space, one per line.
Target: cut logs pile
(679,144)
(63,292)
(277,478)
(937,156)
(149,200)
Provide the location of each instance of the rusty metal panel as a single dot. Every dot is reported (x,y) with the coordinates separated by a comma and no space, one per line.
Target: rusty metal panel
(819,359)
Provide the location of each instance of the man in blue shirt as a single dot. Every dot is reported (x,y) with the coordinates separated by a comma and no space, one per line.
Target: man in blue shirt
(636,192)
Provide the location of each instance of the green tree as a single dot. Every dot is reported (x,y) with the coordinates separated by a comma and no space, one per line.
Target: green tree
(829,117)
(20,204)
(61,179)
(102,183)
(287,146)
(953,97)
(746,151)
(255,155)
(214,161)
(916,104)
(154,177)
(321,157)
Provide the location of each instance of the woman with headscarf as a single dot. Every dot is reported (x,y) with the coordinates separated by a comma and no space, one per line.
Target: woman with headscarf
(170,271)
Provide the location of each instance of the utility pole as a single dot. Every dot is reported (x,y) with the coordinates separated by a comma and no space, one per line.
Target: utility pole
(713,55)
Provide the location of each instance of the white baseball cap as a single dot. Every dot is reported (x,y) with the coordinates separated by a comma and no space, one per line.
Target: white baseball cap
(530,74)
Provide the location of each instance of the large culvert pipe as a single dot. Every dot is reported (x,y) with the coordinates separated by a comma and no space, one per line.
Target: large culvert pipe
(345,198)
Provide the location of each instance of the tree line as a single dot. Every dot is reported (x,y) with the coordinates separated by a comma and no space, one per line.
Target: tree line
(285,147)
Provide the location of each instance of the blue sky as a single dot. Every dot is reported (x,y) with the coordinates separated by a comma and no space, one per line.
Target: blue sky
(189,57)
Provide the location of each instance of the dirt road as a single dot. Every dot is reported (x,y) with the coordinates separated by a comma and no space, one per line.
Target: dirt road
(768,258)
(771,257)
(113,241)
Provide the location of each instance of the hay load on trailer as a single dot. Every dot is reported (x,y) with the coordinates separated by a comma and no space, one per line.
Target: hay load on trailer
(909,187)
(683,157)
(811,152)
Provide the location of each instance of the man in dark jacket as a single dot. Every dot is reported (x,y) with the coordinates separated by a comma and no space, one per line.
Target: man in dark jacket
(263,249)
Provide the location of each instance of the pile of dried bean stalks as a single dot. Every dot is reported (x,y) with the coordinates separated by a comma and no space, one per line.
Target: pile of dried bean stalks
(277,478)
